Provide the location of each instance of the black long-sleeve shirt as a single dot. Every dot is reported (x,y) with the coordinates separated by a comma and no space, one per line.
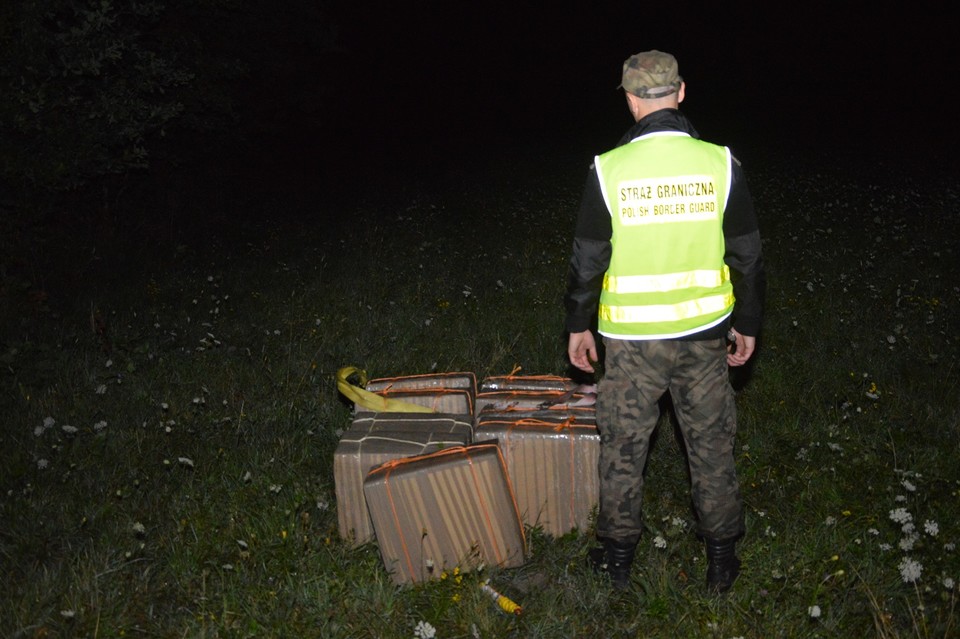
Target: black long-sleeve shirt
(594,230)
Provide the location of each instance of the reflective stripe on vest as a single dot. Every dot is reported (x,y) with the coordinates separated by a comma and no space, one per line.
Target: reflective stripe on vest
(665,282)
(666,193)
(649,313)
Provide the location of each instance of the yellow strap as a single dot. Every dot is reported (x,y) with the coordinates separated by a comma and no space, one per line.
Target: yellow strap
(371,401)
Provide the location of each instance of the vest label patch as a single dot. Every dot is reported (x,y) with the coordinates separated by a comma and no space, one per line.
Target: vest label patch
(686,198)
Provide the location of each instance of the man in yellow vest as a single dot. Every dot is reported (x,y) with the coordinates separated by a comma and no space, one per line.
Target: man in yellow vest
(667,259)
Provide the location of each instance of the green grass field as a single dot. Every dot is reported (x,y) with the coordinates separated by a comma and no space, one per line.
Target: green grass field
(170,417)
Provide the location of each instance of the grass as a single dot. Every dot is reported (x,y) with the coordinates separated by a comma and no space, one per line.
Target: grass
(182,485)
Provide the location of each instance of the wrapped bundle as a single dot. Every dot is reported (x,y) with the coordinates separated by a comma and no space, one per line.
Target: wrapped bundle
(429,381)
(453,508)
(527,383)
(552,461)
(453,401)
(582,395)
(375,438)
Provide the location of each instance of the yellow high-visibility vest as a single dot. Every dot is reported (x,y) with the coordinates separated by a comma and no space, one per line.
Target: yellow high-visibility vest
(666,193)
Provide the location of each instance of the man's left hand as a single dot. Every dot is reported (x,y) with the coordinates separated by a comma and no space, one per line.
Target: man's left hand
(745,346)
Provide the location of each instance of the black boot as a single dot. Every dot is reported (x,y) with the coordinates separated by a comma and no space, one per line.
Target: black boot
(615,559)
(723,566)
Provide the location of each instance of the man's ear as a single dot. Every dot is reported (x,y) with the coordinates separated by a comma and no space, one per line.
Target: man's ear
(633,104)
(682,92)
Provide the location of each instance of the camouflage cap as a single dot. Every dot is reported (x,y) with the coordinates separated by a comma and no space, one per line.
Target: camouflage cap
(651,74)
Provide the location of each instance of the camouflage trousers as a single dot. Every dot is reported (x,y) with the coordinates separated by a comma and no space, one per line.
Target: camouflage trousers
(637,375)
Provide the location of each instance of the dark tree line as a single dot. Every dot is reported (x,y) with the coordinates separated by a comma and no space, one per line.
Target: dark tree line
(93,92)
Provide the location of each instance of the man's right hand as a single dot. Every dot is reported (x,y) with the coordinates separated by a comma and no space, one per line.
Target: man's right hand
(582,349)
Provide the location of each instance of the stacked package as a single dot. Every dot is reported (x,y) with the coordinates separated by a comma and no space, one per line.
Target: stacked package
(453,508)
(441,392)
(551,458)
(434,500)
(531,392)
(375,438)
(546,428)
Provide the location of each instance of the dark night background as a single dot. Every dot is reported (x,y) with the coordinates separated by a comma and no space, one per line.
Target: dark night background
(314,101)
(437,85)
(799,75)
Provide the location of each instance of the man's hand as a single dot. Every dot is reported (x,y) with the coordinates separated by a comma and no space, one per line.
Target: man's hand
(744,348)
(582,349)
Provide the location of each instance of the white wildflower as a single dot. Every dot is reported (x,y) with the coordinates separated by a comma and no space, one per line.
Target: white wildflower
(907,542)
(68,429)
(247,476)
(275,488)
(814,611)
(68,614)
(901,515)
(908,528)
(185,461)
(949,546)
(948,583)
(910,570)
(659,542)
(139,529)
(932,528)
(38,431)
(42,464)
(830,520)
(101,389)
(874,532)
(424,631)
(322,505)
(48,422)
(885,547)
(99,426)
(908,486)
